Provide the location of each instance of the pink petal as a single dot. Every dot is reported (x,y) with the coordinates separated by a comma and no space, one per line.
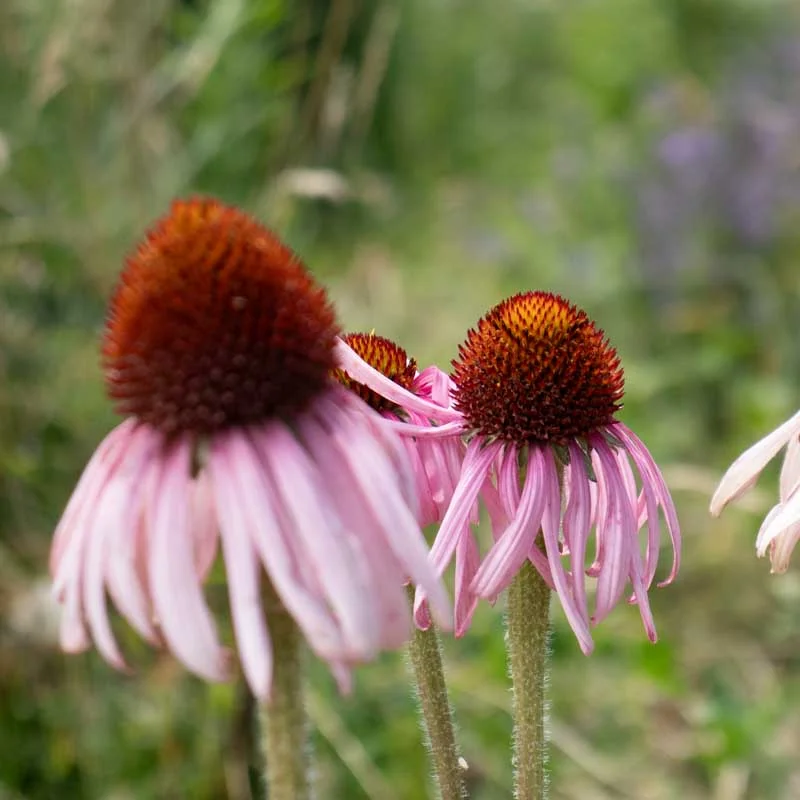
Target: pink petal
(477,463)
(782,547)
(242,570)
(96,472)
(745,470)
(328,551)
(507,555)
(577,524)
(250,501)
(382,566)
(790,470)
(203,523)
(651,474)
(375,476)
(178,599)
(615,529)
(547,481)
(467,563)
(358,369)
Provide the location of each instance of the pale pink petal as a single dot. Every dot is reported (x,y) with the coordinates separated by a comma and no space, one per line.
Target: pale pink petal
(183,615)
(233,459)
(106,515)
(783,516)
(782,547)
(104,459)
(242,571)
(125,532)
(742,474)
(385,569)
(328,550)
(790,470)
(73,636)
(203,523)
(375,475)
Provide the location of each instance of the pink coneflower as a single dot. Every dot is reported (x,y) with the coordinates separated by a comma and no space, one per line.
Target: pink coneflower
(219,348)
(538,387)
(780,530)
(436,463)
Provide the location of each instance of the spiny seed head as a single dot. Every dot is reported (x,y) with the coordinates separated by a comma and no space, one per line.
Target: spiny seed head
(537,369)
(386,357)
(215,323)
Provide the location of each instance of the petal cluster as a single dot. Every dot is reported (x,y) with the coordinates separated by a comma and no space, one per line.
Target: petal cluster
(780,531)
(317,509)
(599,522)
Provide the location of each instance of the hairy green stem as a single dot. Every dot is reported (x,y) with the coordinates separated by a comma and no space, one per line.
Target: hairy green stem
(425,655)
(527,625)
(283,718)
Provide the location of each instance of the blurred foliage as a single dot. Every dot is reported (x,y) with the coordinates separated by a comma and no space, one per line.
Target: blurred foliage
(427,158)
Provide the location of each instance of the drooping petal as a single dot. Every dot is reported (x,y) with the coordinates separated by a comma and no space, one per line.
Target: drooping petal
(384,567)
(99,467)
(576,524)
(183,615)
(510,551)
(616,529)
(790,469)
(125,534)
(264,519)
(650,473)
(375,475)
(548,486)
(477,463)
(467,563)
(782,546)
(242,569)
(742,474)
(328,550)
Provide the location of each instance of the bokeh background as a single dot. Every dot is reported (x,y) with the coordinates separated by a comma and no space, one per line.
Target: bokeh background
(427,158)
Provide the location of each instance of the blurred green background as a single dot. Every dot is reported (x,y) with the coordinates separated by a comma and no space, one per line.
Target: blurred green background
(427,159)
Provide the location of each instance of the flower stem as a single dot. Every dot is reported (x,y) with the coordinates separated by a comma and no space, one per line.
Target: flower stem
(283,717)
(425,654)
(527,625)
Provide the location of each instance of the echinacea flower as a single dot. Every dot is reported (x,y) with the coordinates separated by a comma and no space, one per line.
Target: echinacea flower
(436,463)
(780,530)
(538,387)
(218,349)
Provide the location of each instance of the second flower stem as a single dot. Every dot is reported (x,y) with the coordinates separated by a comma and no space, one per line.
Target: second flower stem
(283,718)
(425,654)
(528,619)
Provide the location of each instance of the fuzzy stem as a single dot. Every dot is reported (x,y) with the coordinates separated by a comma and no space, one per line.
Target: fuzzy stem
(527,624)
(425,655)
(283,717)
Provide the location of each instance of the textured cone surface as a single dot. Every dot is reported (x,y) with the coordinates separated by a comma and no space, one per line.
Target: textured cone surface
(215,323)
(537,369)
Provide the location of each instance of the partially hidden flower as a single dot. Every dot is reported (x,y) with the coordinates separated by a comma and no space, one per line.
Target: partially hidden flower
(218,349)
(780,530)
(538,387)
(436,463)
